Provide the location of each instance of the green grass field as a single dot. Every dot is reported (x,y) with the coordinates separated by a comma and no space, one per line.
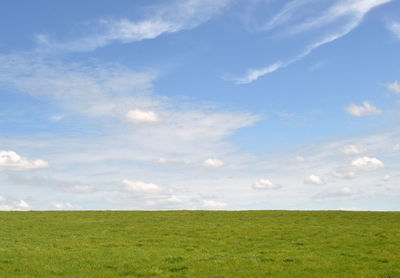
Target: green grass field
(200,244)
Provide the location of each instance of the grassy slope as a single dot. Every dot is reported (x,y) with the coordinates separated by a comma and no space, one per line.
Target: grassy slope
(200,244)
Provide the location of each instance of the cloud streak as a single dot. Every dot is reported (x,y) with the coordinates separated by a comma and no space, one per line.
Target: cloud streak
(163,19)
(351,11)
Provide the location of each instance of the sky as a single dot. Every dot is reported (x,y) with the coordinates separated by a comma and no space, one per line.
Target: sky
(200,104)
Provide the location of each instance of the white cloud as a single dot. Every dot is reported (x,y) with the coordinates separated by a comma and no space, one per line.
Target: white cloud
(141,187)
(295,18)
(170,162)
(80,189)
(395,28)
(142,116)
(23,205)
(254,74)
(359,164)
(100,90)
(300,159)
(57,118)
(11,161)
(345,173)
(351,150)
(210,204)
(365,110)
(163,19)
(85,88)
(387,177)
(367,163)
(337,193)
(64,206)
(314,179)
(345,190)
(396,147)
(349,209)
(265,184)
(393,87)
(15,206)
(213,163)
(2,199)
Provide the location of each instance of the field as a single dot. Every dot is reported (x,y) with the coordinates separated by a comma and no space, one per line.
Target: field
(200,244)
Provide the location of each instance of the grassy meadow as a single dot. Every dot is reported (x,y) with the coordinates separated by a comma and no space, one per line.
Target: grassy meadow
(200,244)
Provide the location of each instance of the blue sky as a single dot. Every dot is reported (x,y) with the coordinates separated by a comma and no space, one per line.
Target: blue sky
(196,104)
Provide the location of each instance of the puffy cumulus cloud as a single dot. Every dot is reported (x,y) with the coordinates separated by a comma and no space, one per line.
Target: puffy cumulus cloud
(213,163)
(150,195)
(210,204)
(265,184)
(141,187)
(367,163)
(351,170)
(23,205)
(393,87)
(366,109)
(395,28)
(11,161)
(138,116)
(314,179)
(14,205)
(64,206)
(351,150)
(386,177)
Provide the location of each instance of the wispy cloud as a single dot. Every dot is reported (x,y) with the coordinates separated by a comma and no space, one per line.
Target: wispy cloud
(162,19)
(351,150)
(333,23)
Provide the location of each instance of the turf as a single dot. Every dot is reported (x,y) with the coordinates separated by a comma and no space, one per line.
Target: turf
(200,244)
